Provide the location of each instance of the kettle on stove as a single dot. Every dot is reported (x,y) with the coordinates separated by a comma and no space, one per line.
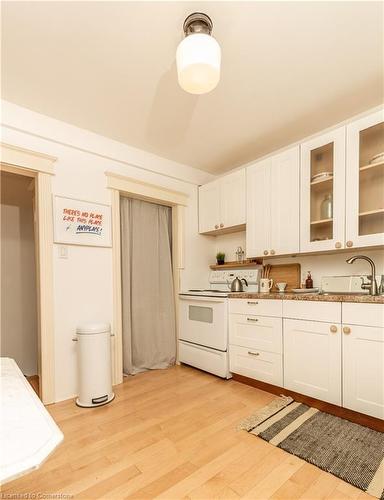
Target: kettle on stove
(237,285)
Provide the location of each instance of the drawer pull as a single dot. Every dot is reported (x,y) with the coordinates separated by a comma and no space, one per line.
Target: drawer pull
(253,353)
(252,319)
(252,303)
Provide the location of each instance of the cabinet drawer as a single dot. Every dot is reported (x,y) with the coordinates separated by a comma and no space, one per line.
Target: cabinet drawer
(259,307)
(312,311)
(363,314)
(207,359)
(257,332)
(257,364)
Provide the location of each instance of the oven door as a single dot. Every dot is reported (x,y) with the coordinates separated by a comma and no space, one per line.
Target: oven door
(204,321)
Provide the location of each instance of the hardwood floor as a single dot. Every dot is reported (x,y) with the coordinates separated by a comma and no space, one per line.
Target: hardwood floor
(172,434)
(34,381)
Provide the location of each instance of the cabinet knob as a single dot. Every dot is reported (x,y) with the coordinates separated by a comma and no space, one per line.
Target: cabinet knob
(337,244)
(253,353)
(265,252)
(333,329)
(349,244)
(346,330)
(273,252)
(221,225)
(216,226)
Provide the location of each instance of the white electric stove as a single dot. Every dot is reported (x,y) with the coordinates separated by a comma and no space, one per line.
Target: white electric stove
(203,321)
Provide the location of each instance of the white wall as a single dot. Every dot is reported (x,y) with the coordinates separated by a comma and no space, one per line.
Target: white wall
(319,265)
(333,264)
(83,282)
(228,243)
(18,273)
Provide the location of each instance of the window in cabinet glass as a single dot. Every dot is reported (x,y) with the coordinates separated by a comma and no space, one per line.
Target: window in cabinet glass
(371,180)
(322,193)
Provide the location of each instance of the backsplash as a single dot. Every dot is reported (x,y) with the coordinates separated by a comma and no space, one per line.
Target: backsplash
(228,243)
(319,265)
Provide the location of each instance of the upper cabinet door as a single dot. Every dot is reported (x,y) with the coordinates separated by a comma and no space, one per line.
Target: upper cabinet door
(232,199)
(258,208)
(209,207)
(285,202)
(323,192)
(222,204)
(365,182)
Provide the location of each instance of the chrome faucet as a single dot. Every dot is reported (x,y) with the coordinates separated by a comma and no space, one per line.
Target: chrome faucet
(371,285)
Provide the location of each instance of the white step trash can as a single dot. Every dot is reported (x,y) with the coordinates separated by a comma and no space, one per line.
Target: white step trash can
(94,364)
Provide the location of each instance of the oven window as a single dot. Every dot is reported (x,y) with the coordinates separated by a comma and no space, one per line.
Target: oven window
(199,313)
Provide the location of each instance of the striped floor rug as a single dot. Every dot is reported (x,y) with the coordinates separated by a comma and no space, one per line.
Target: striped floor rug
(349,451)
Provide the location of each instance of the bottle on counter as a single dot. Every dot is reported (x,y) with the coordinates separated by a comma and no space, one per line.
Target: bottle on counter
(309,281)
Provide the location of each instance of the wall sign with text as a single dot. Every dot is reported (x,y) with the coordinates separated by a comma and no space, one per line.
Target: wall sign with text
(79,222)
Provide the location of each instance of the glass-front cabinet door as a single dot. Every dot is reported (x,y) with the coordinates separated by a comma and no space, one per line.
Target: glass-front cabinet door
(323,192)
(365,182)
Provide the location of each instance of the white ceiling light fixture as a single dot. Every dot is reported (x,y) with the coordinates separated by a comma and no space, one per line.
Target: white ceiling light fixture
(198,56)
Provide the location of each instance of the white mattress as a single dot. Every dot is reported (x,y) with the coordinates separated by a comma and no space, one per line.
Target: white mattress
(28,434)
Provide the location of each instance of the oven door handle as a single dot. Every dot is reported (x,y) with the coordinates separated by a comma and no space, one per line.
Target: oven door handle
(199,298)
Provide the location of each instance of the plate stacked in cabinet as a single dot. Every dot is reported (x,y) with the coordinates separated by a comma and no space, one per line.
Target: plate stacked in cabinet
(256,339)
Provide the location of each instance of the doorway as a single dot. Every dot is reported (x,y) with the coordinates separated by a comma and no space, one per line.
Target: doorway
(177,201)
(39,167)
(19,321)
(148,300)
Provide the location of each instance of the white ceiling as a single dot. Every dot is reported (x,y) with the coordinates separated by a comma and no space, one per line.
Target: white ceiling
(289,69)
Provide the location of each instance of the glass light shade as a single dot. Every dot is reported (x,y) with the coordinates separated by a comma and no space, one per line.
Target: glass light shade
(198,59)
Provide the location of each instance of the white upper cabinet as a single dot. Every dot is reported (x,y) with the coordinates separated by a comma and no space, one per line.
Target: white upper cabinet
(322,212)
(209,207)
(326,194)
(258,208)
(285,202)
(365,182)
(273,190)
(232,199)
(222,203)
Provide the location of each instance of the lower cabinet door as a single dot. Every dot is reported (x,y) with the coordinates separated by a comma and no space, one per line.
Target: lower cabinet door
(312,359)
(253,363)
(363,369)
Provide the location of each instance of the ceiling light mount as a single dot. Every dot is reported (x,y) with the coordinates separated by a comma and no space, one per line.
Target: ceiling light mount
(198,22)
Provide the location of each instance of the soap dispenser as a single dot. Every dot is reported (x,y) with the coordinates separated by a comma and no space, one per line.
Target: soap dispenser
(309,281)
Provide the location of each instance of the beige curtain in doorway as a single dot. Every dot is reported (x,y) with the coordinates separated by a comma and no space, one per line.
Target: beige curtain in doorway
(149,330)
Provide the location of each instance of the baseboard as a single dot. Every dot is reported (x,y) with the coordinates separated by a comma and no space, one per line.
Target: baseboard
(354,416)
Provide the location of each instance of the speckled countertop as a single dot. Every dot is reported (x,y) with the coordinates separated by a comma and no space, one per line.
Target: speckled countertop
(377,299)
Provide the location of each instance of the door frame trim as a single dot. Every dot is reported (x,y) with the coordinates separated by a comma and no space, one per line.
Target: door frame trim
(121,185)
(40,166)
